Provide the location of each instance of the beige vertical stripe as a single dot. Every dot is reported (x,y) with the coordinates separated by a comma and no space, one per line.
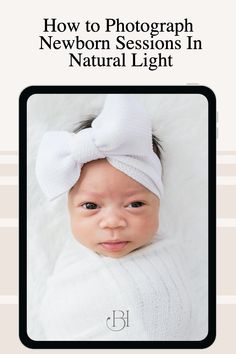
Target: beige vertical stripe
(8,152)
(226,201)
(8,202)
(8,261)
(226,170)
(226,152)
(8,170)
(226,248)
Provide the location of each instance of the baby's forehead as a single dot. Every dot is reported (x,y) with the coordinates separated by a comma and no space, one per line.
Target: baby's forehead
(101,176)
(99,179)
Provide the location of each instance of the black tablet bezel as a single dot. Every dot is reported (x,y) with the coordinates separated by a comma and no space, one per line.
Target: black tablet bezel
(195,89)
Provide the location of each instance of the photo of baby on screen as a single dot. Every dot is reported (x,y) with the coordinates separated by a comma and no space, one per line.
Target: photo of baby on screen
(131,264)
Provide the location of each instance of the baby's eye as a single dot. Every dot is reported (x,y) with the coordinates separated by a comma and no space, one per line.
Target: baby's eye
(135,205)
(90,206)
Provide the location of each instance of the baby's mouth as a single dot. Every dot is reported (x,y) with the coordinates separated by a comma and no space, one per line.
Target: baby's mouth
(114,245)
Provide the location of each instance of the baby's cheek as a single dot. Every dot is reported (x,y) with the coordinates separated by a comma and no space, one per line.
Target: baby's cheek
(78,223)
(75,223)
(144,223)
(150,222)
(74,227)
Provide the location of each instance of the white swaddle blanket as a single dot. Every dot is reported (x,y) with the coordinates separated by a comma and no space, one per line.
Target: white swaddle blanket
(85,288)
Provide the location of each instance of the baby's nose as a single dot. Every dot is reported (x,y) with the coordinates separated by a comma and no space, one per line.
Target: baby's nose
(113,219)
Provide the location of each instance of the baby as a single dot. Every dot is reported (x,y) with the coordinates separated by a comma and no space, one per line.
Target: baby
(121,212)
(116,188)
(112,172)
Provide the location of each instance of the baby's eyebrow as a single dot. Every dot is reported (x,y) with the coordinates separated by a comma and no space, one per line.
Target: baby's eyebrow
(131,192)
(95,194)
(84,195)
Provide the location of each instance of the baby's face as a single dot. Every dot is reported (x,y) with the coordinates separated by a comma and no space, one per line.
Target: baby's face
(111,213)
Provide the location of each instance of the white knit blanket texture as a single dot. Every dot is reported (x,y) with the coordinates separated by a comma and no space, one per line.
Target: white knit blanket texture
(150,283)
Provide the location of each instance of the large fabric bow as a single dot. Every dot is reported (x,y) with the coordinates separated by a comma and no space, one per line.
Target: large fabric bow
(121,133)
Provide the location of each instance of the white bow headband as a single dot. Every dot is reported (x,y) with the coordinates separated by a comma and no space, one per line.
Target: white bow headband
(121,133)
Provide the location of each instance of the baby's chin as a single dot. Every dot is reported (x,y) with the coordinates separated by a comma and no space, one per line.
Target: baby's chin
(114,255)
(118,254)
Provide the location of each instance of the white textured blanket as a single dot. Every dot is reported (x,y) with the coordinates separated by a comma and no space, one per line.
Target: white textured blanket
(87,294)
